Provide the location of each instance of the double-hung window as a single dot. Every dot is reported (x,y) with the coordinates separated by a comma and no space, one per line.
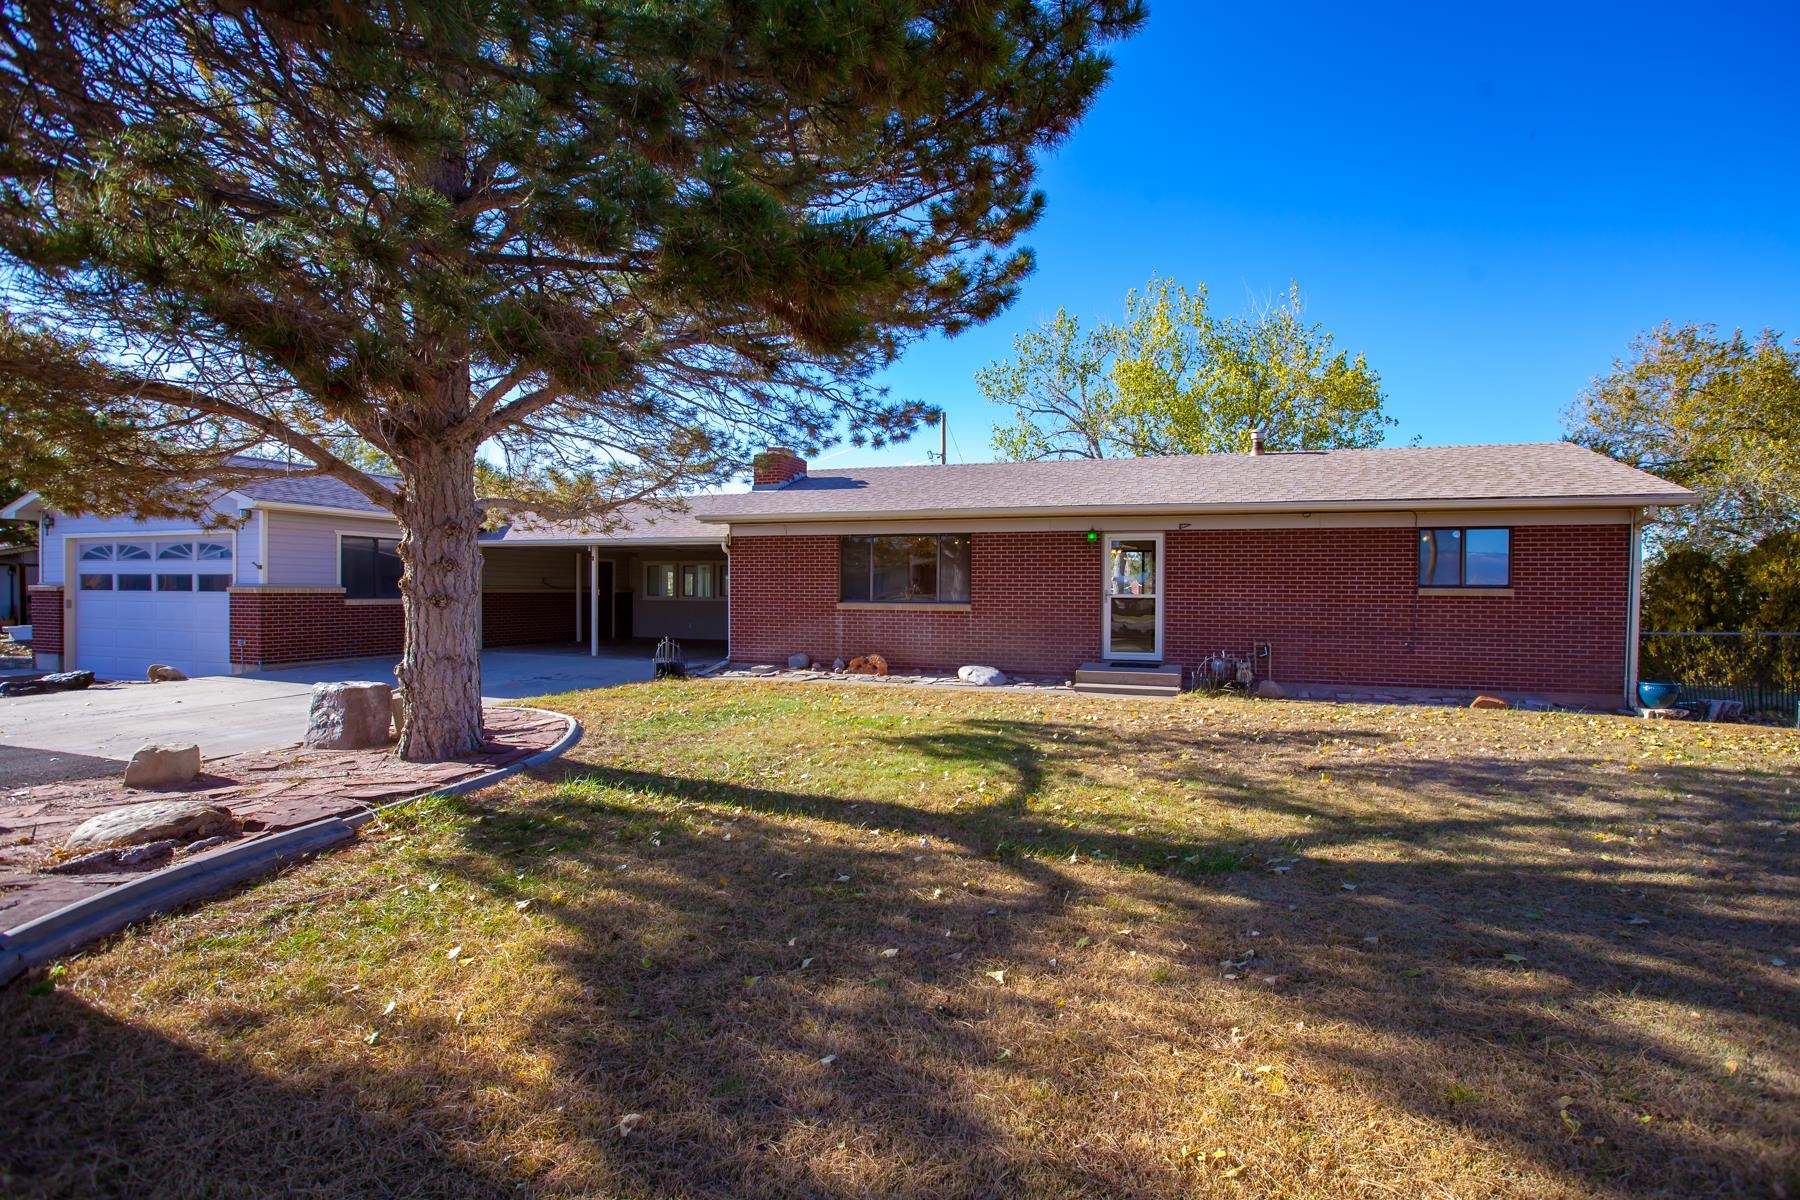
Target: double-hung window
(1465,558)
(369,568)
(928,568)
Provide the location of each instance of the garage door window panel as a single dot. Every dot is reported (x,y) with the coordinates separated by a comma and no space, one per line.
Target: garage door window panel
(96,583)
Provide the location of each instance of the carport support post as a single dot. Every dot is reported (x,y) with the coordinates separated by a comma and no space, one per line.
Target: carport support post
(594,601)
(578,597)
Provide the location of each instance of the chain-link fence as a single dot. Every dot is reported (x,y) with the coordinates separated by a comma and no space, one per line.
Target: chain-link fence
(1761,671)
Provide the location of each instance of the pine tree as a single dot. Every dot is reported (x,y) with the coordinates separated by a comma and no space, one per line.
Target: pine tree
(622,241)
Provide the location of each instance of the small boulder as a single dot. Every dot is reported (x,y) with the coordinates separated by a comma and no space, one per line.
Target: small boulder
(799,662)
(868,664)
(837,664)
(154,821)
(67,681)
(1268,689)
(1488,702)
(163,673)
(349,716)
(162,764)
(981,676)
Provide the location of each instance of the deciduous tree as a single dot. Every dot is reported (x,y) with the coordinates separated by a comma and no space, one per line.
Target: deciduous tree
(1717,413)
(622,241)
(1171,378)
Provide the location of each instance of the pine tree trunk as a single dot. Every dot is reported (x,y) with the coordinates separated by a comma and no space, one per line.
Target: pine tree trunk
(441,670)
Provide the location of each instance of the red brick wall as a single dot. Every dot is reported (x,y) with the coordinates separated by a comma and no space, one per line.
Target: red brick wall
(1342,606)
(46,603)
(275,626)
(521,618)
(1338,606)
(1035,606)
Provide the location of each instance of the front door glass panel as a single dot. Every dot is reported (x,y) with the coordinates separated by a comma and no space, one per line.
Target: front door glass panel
(1131,600)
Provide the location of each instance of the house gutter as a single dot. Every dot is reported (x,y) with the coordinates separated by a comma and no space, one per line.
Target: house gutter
(1634,606)
(1111,510)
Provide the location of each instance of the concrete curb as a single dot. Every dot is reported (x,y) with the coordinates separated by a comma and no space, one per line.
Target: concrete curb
(73,925)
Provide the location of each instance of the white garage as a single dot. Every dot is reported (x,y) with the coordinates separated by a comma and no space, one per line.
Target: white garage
(153,600)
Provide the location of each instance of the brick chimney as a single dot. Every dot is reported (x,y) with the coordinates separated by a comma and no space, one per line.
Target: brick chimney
(776,467)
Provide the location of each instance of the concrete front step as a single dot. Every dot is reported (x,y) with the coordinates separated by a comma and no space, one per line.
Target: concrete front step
(1148,691)
(1158,674)
(1110,680)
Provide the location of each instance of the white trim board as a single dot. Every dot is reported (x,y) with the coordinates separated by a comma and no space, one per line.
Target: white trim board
(1173,522)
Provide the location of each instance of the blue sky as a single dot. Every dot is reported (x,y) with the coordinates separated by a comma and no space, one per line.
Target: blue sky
(1488,202)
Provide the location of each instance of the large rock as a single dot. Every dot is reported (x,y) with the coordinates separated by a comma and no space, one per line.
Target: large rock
(1486,701)
(981,676)
(162,764)
(164,673)
(350,716)
(799,662)
(1268,689)
(153,821)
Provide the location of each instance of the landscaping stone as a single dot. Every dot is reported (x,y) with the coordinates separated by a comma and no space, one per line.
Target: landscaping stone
(868,664)
(837,664)
(162,764)
(1488,702)
(981,676)
(349,716)
(59,681)
(163,673)
(1268,689)
(799,662)
(155,821)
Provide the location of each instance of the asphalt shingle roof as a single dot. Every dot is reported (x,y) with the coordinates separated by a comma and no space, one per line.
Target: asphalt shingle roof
(317,491)
(1424,476)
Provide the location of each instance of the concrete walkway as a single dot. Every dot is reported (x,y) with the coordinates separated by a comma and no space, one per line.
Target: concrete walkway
(80,735)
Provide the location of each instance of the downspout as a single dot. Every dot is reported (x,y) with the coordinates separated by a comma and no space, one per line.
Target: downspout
(725,545)
(1634,602)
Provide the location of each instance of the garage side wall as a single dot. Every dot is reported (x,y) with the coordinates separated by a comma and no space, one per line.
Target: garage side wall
(276,626)
(46,627)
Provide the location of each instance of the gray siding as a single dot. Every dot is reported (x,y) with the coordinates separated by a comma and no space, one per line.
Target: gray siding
(53,554)
(303,547)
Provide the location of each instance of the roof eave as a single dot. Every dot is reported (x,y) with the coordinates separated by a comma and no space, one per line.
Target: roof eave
(26,508)
(599,540)
(1622,500)
(331,509)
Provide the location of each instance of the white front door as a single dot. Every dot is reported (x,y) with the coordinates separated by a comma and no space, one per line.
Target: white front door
(153,600)
(1132,621)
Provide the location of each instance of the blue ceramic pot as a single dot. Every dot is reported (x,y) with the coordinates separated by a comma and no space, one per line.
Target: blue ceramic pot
(1658,695)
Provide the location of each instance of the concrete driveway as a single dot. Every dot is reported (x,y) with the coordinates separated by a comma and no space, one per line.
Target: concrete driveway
(78,735)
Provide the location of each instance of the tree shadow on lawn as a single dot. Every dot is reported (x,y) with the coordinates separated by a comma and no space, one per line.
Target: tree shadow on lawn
(680,988)
(234,1131)
(1506,959)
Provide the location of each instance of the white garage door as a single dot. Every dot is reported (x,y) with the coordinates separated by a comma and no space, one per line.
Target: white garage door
(153,600)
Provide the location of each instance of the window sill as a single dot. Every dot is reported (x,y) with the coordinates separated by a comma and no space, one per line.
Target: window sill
(372,603)
(903,606)
(1465,591)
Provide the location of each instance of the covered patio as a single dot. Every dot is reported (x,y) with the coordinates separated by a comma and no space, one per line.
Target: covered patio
(642,578)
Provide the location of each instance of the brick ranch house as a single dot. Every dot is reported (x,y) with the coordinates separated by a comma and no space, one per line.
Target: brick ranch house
(1510,569)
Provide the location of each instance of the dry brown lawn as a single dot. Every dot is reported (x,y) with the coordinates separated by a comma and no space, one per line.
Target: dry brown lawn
(817,940)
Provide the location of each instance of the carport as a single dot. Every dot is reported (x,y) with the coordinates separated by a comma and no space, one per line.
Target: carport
(642,577)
